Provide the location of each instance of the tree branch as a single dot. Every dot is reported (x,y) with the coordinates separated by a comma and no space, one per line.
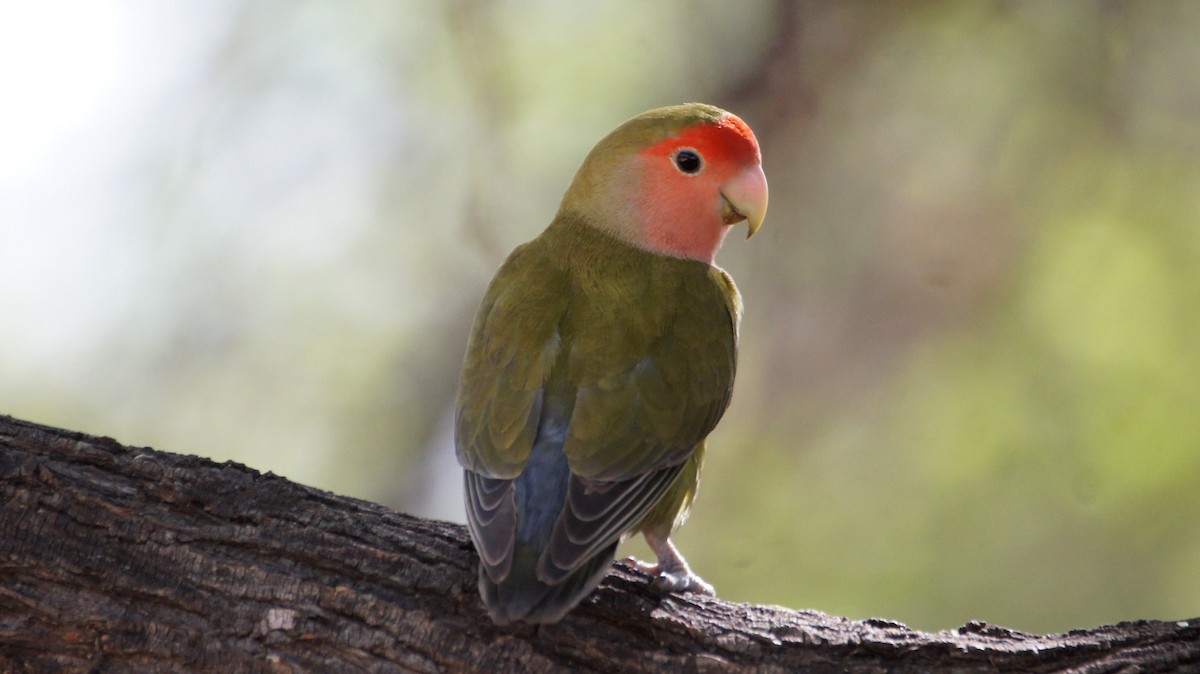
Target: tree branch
(117,558)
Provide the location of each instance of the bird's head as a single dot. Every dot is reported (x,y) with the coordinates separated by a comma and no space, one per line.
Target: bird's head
(673,181)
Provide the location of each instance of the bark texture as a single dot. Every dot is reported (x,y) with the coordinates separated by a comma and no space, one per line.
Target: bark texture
(126,559)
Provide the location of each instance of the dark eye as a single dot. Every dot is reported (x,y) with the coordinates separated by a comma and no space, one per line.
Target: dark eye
(688,161)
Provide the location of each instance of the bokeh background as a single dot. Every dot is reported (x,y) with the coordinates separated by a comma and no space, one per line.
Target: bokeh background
(970,375)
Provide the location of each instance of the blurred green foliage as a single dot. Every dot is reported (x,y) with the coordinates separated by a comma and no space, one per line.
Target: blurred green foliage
(970,367)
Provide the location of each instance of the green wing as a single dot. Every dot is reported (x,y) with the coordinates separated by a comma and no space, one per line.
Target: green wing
(645,401)
(513,346)
(644,404)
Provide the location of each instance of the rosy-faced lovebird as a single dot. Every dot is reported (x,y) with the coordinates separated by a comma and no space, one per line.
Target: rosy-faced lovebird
(602,356)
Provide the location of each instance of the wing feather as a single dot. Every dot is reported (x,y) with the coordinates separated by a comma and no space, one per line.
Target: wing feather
(645,401)
(514,344)
(491,519)
(596,516)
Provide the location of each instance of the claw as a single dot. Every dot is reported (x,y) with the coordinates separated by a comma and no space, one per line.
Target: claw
(669,582)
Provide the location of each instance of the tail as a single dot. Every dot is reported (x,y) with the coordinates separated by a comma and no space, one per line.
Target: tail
(522,597)
(539,494)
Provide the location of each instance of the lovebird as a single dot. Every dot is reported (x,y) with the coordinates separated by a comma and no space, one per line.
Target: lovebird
(601,357)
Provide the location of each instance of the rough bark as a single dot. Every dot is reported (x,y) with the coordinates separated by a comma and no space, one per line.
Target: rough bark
(117,558)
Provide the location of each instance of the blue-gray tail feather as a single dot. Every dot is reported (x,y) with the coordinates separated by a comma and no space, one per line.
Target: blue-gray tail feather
(539,493)
(522,597)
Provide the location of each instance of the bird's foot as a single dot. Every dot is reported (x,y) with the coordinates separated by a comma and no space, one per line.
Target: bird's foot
(684,580)
(671,573)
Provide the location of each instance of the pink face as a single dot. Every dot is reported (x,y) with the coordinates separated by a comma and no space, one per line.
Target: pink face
(697,184)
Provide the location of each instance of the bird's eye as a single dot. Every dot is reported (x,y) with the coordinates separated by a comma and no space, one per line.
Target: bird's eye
(688,161)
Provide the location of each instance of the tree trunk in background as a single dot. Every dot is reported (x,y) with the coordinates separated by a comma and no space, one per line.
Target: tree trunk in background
(117,558)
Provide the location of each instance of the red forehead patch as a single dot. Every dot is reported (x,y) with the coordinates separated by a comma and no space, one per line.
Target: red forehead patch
(729,140)
(739,127)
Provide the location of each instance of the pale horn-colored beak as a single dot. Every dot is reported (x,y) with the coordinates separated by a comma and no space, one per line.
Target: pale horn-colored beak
(746,199)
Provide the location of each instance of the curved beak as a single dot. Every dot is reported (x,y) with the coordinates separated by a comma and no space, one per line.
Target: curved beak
(745,198)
